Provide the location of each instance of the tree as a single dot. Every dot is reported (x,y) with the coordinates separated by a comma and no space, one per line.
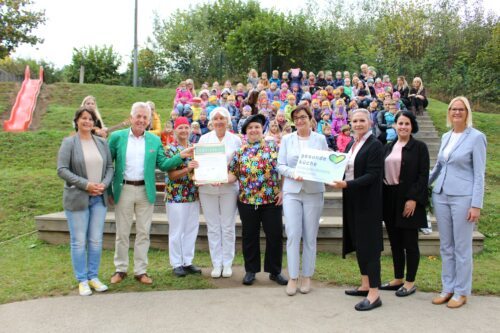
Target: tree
(17,66)
(150,67)
(101,65)
(17,24)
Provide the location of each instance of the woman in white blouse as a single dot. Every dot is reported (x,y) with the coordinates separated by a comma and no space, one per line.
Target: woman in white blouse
(219,201)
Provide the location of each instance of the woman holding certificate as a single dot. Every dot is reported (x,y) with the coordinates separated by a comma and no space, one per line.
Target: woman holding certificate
(183,208)
(254,166)
(302,200)
(362,208)
(218,201)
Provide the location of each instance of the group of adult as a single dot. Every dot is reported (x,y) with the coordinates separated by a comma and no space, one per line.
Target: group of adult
(387,184)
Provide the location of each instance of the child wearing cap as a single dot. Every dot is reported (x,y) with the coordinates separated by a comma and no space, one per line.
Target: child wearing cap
(196,108)
(326,117)
(212,104)
(344,138)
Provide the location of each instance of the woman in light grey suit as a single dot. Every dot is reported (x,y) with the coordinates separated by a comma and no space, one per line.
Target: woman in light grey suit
(302,200)
(85,164)
(458,198)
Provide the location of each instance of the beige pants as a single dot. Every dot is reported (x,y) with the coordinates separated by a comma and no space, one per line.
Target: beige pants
(133,200)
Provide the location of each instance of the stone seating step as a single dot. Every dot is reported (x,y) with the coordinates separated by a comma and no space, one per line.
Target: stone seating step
(53,228)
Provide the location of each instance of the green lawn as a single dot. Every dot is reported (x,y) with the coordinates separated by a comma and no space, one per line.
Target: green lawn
(29,186)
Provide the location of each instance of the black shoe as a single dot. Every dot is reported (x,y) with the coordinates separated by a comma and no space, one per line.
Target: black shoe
(356,292)
(402,292)
(249,278)
(387,286)
(179,271)
(279,279)
(365,305)
(192,269)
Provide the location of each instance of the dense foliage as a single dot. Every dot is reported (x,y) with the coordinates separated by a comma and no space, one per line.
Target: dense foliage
(452,44)
(17,21)
(100,64)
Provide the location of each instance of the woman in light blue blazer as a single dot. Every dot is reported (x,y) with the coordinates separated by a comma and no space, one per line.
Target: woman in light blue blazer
(302,200)
(458,178)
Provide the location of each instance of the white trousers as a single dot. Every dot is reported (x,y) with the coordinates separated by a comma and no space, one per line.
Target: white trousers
(302,213)
(183,223)
(133,200)
(220,214)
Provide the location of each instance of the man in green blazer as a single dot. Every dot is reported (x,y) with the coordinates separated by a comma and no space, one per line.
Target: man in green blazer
(136,154)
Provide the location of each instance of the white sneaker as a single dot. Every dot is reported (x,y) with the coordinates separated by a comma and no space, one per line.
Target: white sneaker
(227,272)
(98,285)
(84,289)
(216,272)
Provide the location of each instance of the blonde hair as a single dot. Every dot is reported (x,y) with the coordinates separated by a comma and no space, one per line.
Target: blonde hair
(465,101)
(421,84)
(96,110)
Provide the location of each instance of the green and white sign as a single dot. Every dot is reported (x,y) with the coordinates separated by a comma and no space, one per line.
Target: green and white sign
(321,165)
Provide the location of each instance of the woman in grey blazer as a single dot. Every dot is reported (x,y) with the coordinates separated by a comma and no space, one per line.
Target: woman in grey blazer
(85,164)
(302,200)
(458,178)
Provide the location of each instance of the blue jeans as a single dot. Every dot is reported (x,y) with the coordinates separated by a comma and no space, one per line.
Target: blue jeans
(86,228)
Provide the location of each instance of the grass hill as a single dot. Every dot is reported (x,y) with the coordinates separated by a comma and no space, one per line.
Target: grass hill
(29,186)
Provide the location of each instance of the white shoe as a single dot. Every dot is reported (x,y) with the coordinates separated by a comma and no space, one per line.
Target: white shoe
(216,272)
(305,285)
(291,287)
(227,272)
(84,289)
(98,285)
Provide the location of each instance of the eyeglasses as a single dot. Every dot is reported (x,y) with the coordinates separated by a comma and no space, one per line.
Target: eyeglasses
(457,110)
(295,119)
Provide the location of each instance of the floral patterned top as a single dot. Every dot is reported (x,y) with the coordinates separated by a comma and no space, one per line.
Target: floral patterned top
(255,166)
(183,189)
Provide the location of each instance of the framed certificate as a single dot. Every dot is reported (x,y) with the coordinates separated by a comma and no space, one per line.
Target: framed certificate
(212,161)
(321,165)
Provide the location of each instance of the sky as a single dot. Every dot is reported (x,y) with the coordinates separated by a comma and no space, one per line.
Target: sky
(76,23)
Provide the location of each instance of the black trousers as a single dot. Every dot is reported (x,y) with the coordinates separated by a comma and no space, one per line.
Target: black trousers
(369,264)
(271,219)
(404,241)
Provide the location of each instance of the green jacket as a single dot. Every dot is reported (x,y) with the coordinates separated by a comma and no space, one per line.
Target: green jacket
(154,158)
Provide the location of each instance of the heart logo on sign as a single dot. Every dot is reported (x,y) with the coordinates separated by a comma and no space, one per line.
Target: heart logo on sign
(337,158)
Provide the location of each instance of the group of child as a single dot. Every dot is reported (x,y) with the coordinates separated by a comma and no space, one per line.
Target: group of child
(330,100)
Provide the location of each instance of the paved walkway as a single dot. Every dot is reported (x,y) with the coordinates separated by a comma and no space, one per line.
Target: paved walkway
(263,307)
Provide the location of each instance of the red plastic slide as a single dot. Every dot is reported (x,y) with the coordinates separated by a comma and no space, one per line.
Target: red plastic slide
(22,111)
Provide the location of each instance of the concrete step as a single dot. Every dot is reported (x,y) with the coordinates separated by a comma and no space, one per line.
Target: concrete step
(53,228)
(332,205)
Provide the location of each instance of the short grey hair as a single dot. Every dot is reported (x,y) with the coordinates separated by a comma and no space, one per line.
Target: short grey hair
(140,105)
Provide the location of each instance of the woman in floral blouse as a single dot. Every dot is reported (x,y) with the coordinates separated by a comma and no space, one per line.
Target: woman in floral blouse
(183,207)
(259,201)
